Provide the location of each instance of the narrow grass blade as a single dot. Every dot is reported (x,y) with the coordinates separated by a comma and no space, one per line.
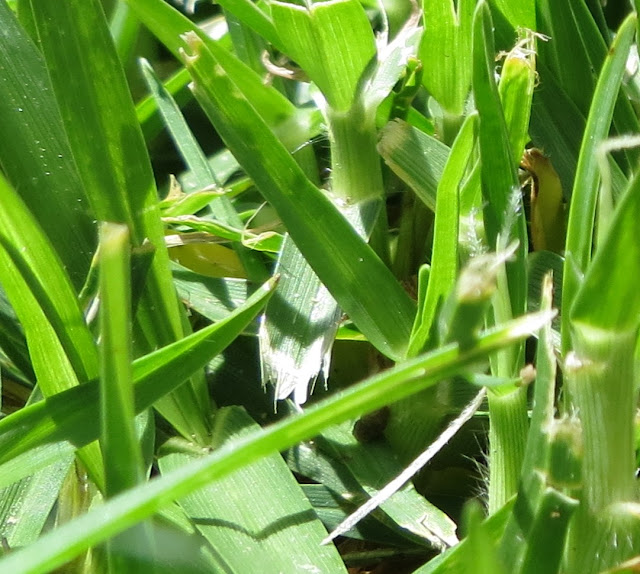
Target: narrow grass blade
(444,259)
(333,249)
(585,189)
(37,156)
(234,520)
(39,287)
(121,452)
(137,504)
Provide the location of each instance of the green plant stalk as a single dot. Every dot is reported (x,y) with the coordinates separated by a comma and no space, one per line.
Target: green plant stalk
(356,174)
(121,452)
(507,439)
(600,374)
(508,418)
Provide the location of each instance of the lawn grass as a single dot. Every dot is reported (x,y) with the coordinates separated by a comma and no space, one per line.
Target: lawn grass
(357,329)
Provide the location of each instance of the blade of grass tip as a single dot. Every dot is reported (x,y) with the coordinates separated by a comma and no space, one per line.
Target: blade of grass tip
(585,188)
(114,516)
(411,470)
(169,26)
(329,243)
(196,161)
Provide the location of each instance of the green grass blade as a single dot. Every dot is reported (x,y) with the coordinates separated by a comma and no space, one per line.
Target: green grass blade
(25,505)
(444,259)
(415,157)
(331,246)
(235,520)
(585,189)
(298,329)
(109,150)
(137,504)
(37,156)
(121,452)
(38,285)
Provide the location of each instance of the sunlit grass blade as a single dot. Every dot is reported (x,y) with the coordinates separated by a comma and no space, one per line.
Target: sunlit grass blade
(583,199)
(331,246)
(137,504)
(298,329)
(444,258)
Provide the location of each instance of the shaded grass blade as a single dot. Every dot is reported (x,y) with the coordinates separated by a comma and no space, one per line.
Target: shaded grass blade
(230,519)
